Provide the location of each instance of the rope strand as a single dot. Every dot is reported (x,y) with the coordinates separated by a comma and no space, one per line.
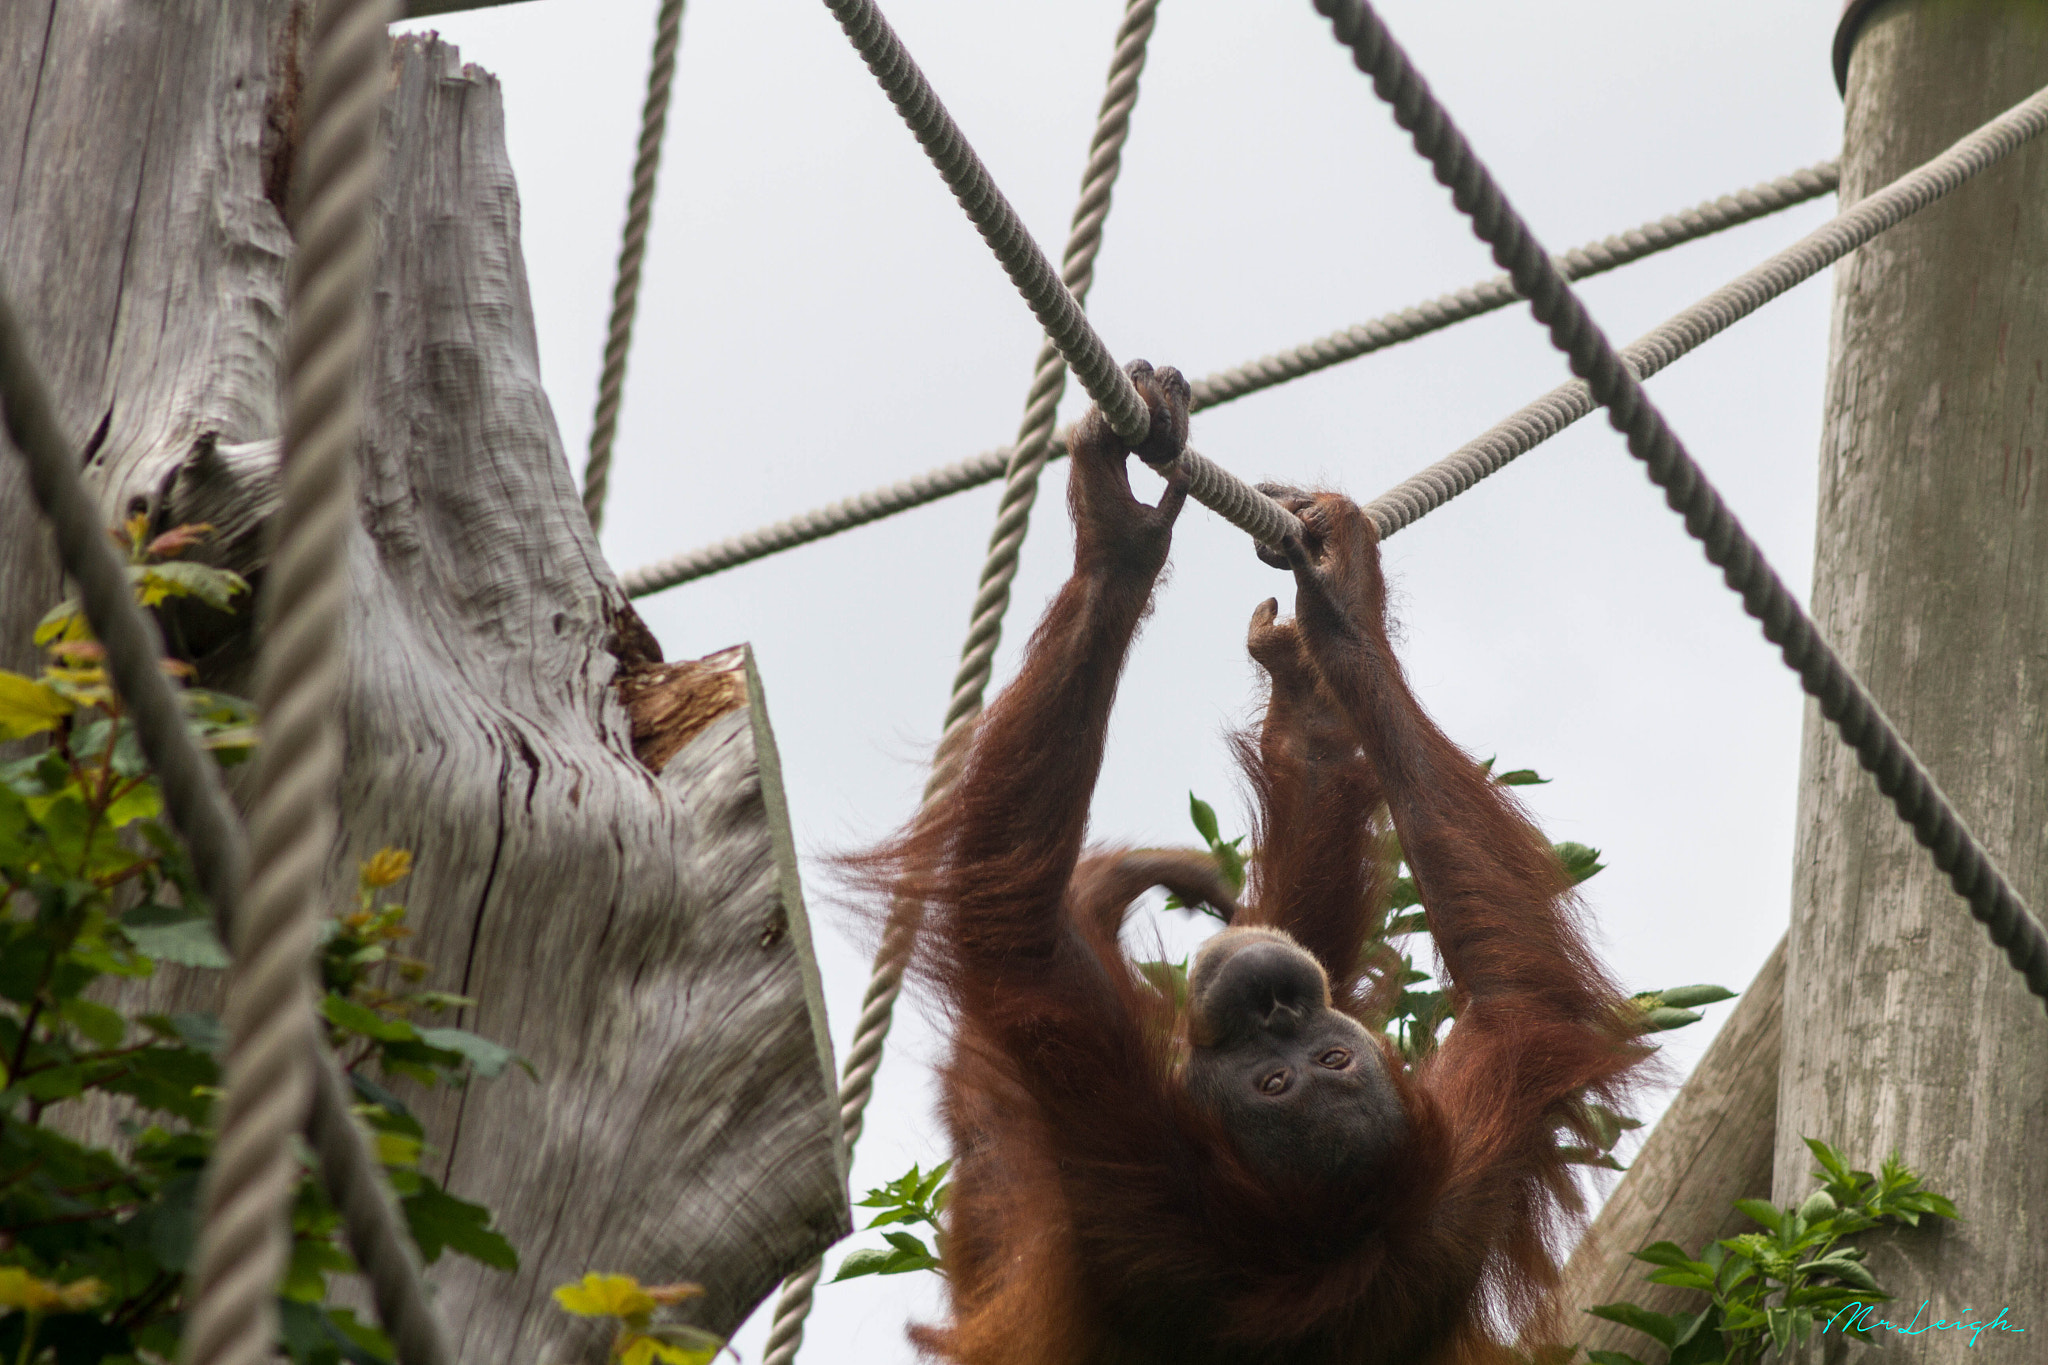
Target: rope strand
(1919,801)
(991,602)
(618,340)
(277,1078)
(1717,215)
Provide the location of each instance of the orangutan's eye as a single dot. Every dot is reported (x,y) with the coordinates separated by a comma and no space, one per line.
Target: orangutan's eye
(1336,1059)
(1273,1084)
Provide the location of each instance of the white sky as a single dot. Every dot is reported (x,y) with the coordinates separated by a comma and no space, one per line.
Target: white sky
(819,318)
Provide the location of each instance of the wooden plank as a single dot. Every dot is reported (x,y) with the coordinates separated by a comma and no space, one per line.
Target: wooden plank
(636,930)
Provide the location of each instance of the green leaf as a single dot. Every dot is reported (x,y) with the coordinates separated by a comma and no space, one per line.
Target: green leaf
(97,1023)
(1580,862)
(1843,1267)
(1521,777)
(909,1243)
(140,802)
(1204,816)
(182,578)
(488,1058)
(347,1014)
(1830,1160)
(1611,1358)
(1663,1018)
(864,1262)
(441,1221)
(305,1280)
(1692,997)
(1657,1325)
(1762,1211)
(167,933)
(1820,1204)
(1669,1254)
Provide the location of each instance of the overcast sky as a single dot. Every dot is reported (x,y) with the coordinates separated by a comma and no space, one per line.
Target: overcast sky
(819,318)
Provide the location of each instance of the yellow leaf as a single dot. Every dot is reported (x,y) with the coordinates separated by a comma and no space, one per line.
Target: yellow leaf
(646,1350)
(396,1149)
(605,1296)
(138,527)
(19,1289)
(65,621)
(386,866)
(28,707)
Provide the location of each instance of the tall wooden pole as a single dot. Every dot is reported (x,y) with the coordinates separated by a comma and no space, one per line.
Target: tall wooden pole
(1903,1028)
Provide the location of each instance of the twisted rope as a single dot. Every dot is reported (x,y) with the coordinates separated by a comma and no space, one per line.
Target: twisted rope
(991,602)
(1716,215)
(271,1074)
(618,341)
(1520,433)
(1843,699)
(1055,307)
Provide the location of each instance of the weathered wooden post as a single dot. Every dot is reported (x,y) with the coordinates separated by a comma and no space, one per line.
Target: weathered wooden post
(1904,1029)
(602,858)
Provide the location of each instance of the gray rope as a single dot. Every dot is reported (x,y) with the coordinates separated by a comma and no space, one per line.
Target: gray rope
(1595,258)
(1522,432)
(199,809)
(1843,699)
(274,1069)
(618,341)
(1056,309)
(991,602)
(1226,385)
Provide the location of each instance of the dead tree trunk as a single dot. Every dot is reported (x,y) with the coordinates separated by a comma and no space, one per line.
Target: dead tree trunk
(1904,1029)
(602,857)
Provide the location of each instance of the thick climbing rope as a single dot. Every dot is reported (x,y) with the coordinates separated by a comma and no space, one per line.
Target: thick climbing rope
(270,1074)
(1717,215)
(1051,302)
(618,339)
(1056,309)
(1520,433)
(991,602)
(199,809)
(1843,699)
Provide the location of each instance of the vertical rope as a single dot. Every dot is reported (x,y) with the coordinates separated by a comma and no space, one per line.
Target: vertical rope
(618,340)
(991,602)
(245,1241)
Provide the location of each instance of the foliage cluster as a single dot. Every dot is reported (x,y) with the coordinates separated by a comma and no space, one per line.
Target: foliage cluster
(105,1109)
(1766,1291)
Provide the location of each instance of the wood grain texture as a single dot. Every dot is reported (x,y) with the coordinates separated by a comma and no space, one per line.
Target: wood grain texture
(638,934)
(1712,1146)
(1904,1029)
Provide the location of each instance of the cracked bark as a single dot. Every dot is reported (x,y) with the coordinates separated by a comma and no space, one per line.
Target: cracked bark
(634,928)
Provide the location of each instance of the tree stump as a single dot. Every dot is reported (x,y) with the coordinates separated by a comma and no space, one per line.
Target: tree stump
(602,856)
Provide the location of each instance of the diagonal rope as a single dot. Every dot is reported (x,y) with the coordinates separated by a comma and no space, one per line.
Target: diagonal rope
(1717,215)
(618,340)
(1056,309)
(992,600)
(1843,699)
(275,1080)
(1522,432)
